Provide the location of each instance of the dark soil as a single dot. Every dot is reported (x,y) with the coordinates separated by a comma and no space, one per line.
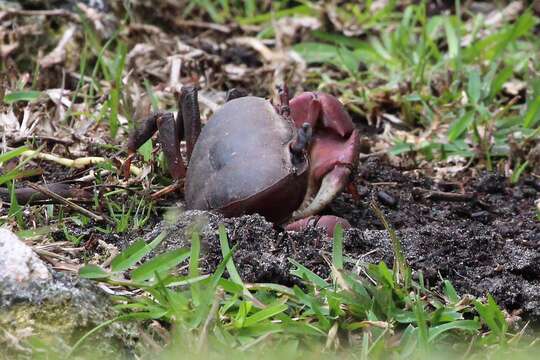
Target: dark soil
(485,239)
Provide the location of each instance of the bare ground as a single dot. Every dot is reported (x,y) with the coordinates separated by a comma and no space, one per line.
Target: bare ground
(478,232)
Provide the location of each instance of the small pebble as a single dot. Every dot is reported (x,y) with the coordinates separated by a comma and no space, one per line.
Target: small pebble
(482,216)
(529,192)
(491,183)
(517,194)
(533,183)
(386,199)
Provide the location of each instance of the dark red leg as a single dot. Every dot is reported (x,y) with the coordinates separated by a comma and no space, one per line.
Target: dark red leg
(170,132)
(170,143)
(188,120)
(164,123)
(139,136)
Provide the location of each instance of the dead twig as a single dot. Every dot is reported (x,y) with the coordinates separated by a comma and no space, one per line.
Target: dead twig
(58,54)
(167,190)
(46,253)
(18,140)
(384,183)
(202,25)
(373,154)
(69,203)
(60,266)
(28,195)
(114,252)
(444,196)
(60,247)
(53,12)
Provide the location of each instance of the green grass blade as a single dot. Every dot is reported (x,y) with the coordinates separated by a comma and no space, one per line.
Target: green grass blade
(194,255)
(450,292)
(194,264)
(458,127)
(15,210)
(225,249)
(451,39)
(474,87)
(114,100)
(533,113)
(493,317)
(159,264)
(314,52)
(16,96)
(12,154)
(337,248)
(303,272)
(468,325)
(231,268)
(264,314)
(134,253)
(516,175)
(421,321)
(402,271)
(93,272)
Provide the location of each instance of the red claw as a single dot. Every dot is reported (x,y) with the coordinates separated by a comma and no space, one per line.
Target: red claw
(309,107)
(334,148)
(327,222)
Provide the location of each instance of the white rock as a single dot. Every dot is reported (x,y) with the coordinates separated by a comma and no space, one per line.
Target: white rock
(18,262)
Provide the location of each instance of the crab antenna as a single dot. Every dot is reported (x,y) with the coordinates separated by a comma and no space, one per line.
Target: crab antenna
(284,108)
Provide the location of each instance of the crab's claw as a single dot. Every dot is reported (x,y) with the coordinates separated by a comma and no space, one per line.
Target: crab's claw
(334,148)
(327,223)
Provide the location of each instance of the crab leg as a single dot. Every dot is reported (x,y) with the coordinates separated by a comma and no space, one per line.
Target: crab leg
(166,127)
(170,131)
(139,136)
(188,120)
(167,134)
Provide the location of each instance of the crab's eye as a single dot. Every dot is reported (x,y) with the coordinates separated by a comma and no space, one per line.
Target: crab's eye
(301,143)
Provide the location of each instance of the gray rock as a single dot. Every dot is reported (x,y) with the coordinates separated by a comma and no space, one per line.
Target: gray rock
(54,307)
(18,262)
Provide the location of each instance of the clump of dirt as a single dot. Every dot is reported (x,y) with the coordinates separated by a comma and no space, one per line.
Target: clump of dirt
(478,231)
(261,250)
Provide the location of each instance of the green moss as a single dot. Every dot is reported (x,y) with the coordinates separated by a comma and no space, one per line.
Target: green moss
(48,318)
